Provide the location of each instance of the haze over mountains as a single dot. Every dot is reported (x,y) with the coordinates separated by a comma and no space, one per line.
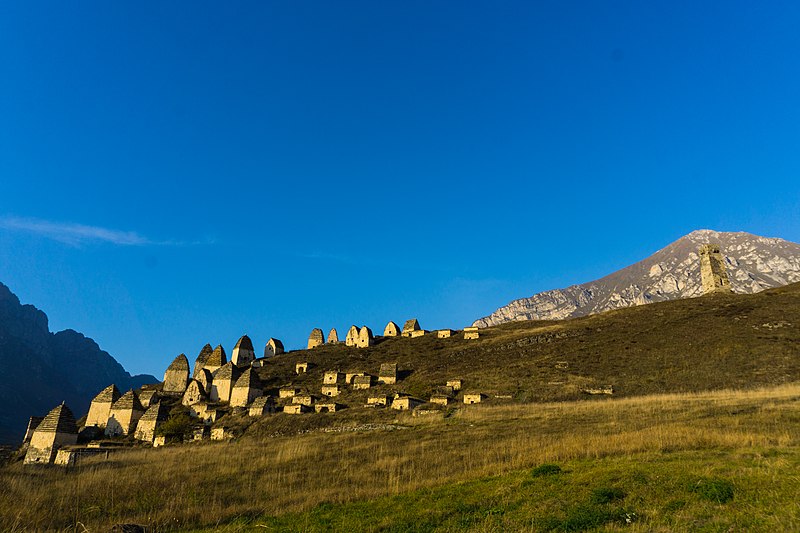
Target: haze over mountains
(41,369)
(754,264)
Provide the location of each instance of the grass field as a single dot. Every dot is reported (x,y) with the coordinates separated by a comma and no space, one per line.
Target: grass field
(662,462)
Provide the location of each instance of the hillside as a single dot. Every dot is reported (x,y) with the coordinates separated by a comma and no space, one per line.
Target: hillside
(754,264)
(41,369)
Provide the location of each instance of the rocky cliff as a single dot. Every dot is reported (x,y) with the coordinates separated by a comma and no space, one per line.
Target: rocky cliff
(41,369)
(754,263)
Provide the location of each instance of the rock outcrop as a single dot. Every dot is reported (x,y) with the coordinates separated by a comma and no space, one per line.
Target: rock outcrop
(753,264)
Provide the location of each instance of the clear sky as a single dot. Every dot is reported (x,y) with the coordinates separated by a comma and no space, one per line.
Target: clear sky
(176,173)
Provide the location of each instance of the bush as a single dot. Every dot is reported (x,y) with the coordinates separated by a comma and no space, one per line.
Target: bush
(546,470)
(177,428)
(714,490)
(605,495)
(583,517)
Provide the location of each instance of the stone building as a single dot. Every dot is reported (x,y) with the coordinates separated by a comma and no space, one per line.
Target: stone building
(195,393)
(216,360)
(243,353)
(410,326)
(405,403)
(352,336)
(247,388)
(301,368)
(296,408)
(176,377)
(391,330)
(350,376)
(202,357)
(381,400)
(147,397)
(125,413)
(155,415)
(316,338)
(100,408)
(474,397)
(204,378)
(471,333)
(287,392)
(365,338)
(331,390)
(362,382)
(303,399)
(333,336)
(388,373)
(713,272)
(33,423)
(331,377)
(261,406)
(273,347)
(444,333)
(325,408)
(440,399)
(455,384)
(222,382)
(56,430)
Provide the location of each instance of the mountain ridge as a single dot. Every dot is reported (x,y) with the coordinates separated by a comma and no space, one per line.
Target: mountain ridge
(44,368)
(754,263)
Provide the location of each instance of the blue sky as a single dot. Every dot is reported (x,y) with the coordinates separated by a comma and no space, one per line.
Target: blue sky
(176,173)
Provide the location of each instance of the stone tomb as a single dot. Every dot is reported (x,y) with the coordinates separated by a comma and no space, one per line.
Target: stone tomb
(273,347)
(194,393)
(331,377)
(351,339)
(100,408)
(444,333)
(331,390)
(222,382)
(472,398)
(388,373)
(247,388)
(176,377)
(155,415)
(125,414)
(316,338)
(261,406)
(243,353)
(56,430)
(391,330)
(300,368)
(362,382)
(202,357)
(365,338)
(471,333)
(333,336)
(410,326)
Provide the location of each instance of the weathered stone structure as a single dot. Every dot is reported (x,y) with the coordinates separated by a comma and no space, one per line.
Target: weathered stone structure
(471,333)
(56,430)
(331,390)
(352,336)
(388,373)
(381,400)
(405,403)
(325,408)
(474,397)
(455,384)
(176,377)
(204,378)
(216,359)
(391,330)
(222,382)
(296,408)
(261,406)
(100,408)
(202,357)
(316,338)
(365,338)
(417,333)
(243,353)
(273,347)
(440,399)
(33,423)
(155,415)
(195,393)
(333,336)
(444,333)
(331,377)
(362,382)
(303,399)
(410,326)
(287,392)
(125,413)
(247,388)
(300,368)
(713,273)
(148,397)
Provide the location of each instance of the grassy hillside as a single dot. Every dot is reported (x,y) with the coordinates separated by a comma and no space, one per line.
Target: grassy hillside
(705,410)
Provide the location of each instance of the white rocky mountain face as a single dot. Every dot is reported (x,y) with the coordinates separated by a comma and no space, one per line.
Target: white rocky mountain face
(753,263)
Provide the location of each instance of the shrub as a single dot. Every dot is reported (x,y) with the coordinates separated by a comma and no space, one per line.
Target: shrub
(177,428)
(546,470)
(713,489)
(604,495)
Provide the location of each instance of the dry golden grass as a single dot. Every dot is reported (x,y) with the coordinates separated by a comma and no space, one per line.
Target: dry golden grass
(212,483)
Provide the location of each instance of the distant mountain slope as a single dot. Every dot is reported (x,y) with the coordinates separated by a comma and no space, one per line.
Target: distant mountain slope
(40,369)
(754,264)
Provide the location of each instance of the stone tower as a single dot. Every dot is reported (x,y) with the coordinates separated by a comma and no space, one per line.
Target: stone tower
(316,338)
(202,357)
(177,376)
(243,353)
(713,274)
(100,409)
(57,429)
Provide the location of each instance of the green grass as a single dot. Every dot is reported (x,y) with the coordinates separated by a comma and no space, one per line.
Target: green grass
(647,492)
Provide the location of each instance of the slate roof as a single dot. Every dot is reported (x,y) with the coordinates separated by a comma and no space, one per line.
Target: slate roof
(248,379)
(244,343)
(155,412)
(217,357)
(130,401)
(108,395)
(411,325)
(59,420)
(180,364)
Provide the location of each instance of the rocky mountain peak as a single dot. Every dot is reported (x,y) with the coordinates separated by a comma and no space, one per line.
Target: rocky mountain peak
(754,263)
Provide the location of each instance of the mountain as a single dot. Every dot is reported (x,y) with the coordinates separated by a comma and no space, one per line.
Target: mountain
(42,369)
(754,264)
